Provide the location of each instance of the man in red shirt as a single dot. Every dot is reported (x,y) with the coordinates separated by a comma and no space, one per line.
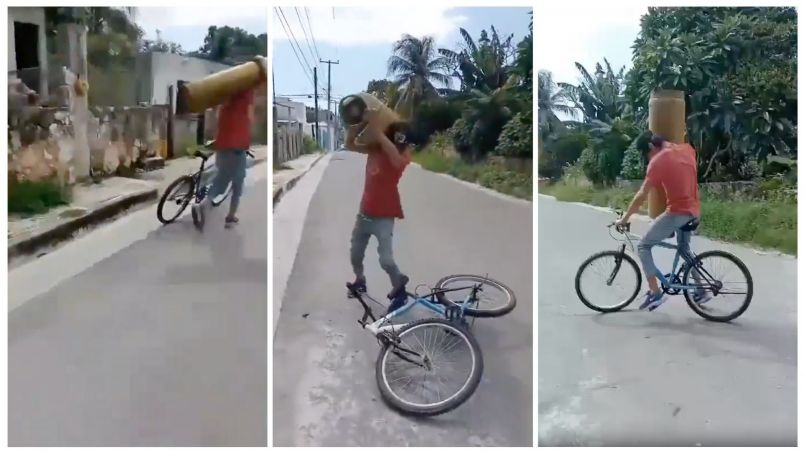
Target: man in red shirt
(233,139)
(386,160)
(674,168)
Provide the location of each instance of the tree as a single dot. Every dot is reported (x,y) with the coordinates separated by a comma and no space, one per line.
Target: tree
(417,68)
(737,67)
(552,101)
(599,97)
(379,89)
(232,45)
(160,45)
(481,65)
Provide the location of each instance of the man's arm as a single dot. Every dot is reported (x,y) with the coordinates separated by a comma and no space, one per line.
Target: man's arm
(351,134)
(651,180)
(389,148)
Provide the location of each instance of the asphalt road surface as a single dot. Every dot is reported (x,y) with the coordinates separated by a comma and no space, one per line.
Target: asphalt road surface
(324,386)
(662,378)
(161,343)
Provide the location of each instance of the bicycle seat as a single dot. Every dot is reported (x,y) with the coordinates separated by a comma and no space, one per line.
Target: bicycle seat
(203,154)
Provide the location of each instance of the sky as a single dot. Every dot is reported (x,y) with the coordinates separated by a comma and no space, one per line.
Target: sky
(189,29)
(563,35)
(360,38)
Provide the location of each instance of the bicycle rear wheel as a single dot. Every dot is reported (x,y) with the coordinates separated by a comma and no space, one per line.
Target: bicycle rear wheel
(495,298)
(608,273)
(179,193)
(435,367)
(724,278)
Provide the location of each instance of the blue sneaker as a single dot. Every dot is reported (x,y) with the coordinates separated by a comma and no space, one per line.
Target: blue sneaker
(398,295)
(652,301)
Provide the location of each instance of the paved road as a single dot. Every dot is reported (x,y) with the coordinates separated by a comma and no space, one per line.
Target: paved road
(162,343)
(324,386)
(667,377)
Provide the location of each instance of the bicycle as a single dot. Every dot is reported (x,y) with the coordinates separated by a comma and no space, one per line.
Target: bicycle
(691,277)
(191,186)
(415,344)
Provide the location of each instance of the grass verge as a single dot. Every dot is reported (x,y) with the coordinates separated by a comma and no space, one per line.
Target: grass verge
(32,198)
(497,178)
(764,224)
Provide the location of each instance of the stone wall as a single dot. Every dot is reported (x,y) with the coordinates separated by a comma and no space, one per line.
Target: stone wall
(121,138)
(41,144)
(722,190)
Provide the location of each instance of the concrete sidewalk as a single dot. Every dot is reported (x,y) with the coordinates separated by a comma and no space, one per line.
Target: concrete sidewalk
(95,203)
(285,178)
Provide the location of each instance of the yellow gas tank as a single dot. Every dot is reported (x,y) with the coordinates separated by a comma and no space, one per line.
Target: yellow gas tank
(667,117)
(197,96)
(352,108)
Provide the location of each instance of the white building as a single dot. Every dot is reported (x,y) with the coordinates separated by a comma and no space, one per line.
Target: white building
(27,48)
(156,71)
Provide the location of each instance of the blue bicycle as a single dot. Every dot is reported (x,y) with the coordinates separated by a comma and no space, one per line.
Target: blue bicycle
(431,366)
(716,284)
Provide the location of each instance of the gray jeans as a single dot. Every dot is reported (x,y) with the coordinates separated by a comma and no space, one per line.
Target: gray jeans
(383,229)
(230,167)
(663,226)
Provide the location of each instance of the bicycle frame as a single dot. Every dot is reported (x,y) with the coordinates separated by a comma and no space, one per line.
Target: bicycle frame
(379,326)
(679,255)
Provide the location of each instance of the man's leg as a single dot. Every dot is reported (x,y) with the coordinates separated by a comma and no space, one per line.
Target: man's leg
(361,233)
(684,238)
(223,175)
(384,230)
(661,229)
(238,178)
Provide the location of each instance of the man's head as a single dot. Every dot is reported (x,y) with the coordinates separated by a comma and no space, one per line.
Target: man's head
(649,144)
(400,133)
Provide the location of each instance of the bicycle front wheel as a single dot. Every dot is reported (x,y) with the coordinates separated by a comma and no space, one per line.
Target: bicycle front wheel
(726,283)
(493,300)
(175,199)
(608,281)
(433,369)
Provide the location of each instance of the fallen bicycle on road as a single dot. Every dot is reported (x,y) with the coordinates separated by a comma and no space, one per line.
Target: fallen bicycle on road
(412,373)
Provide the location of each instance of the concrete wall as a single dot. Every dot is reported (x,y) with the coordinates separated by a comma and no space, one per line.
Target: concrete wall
(32,16)
(289,110)
(288,142)
(165,69)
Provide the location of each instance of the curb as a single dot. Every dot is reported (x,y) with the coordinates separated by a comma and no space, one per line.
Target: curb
(289,184)
(67,229)
(476,186)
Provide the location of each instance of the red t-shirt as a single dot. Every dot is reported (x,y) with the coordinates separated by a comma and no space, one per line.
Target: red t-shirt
(676,170)
(234,127)
(381,190)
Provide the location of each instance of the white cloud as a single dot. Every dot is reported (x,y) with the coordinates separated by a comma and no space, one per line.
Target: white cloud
(152,18)
(566,33)
(366,25)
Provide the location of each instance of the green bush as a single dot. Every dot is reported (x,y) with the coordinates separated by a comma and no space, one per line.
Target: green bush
(460,135)
(28,197)
(633,166)
(310,144)
(516,139)
(562,150)
(435,116)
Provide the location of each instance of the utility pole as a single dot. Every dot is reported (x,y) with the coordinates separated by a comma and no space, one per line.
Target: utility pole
(329,94)
(315,99)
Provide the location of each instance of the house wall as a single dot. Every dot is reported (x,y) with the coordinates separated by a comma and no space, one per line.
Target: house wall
(32,16)
(165,69)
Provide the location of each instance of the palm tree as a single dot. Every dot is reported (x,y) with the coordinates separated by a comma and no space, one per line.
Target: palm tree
(417,68)
(552,102)
(483,66)
(599,97)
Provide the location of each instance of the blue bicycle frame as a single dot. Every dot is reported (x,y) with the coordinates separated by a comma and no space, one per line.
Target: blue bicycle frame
(689,258)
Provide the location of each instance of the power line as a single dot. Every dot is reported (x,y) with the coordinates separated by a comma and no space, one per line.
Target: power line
(290,35)
(310,24)
(305,33)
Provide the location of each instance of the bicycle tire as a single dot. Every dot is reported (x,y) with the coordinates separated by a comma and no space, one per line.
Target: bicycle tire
(168,190)
(453,401)
(222,198)
(473,312)
(626,258)
(749,281)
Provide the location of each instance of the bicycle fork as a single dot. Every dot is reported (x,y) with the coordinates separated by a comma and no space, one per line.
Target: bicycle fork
(618,261)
